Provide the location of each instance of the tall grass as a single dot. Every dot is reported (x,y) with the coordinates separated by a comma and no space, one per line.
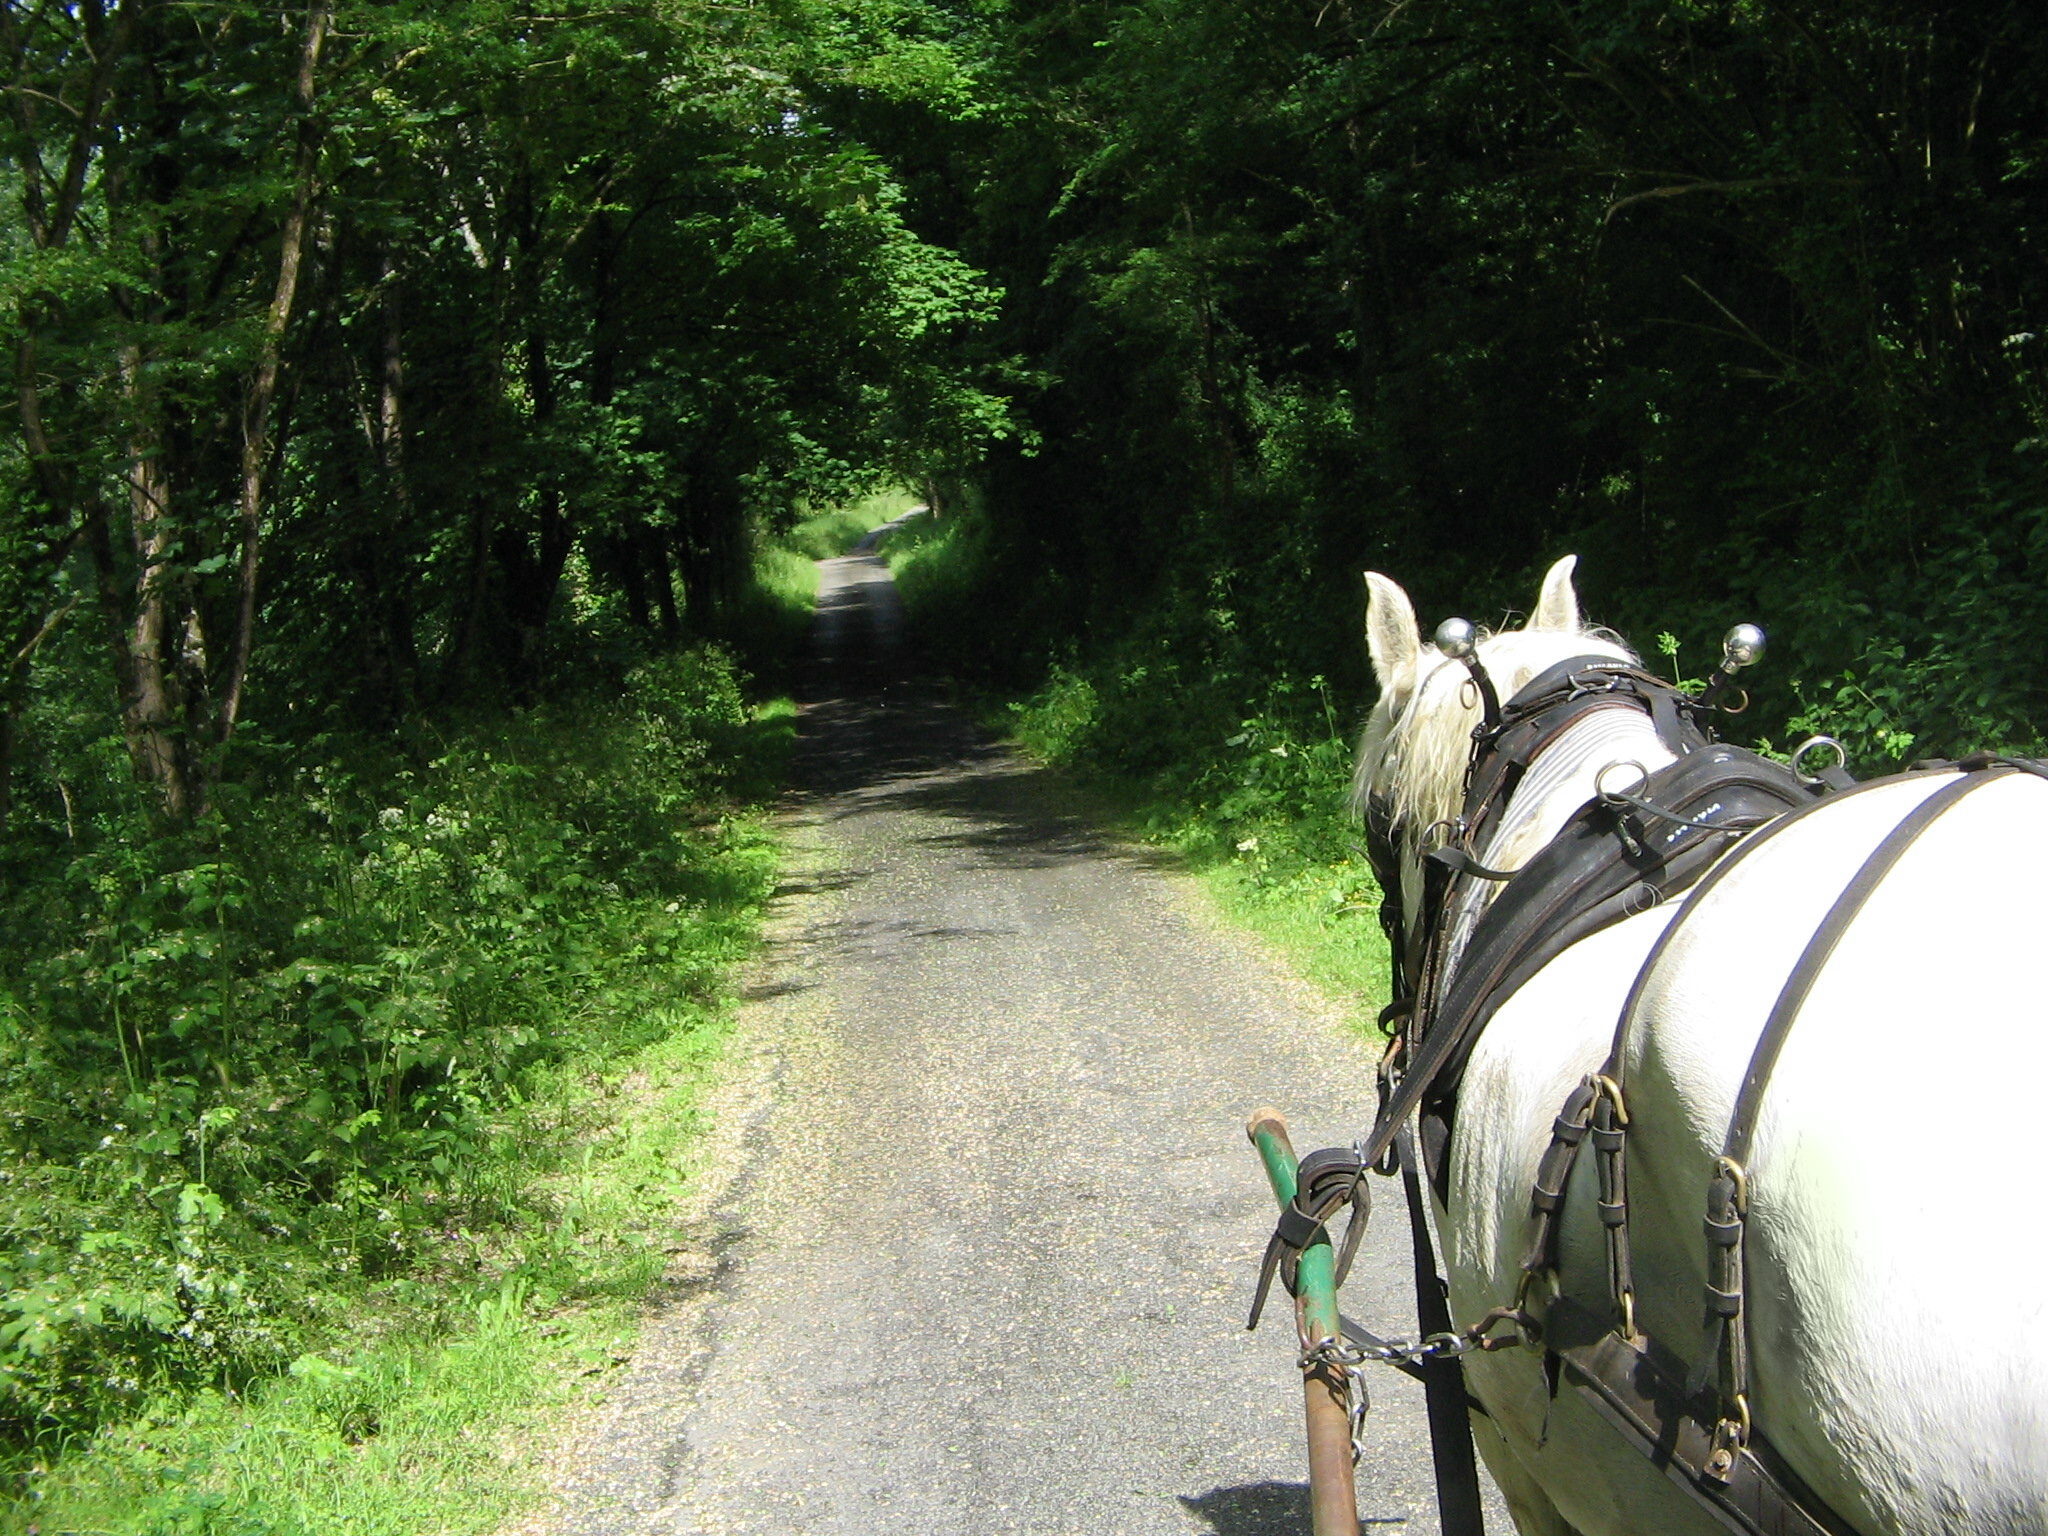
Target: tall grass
(832,531)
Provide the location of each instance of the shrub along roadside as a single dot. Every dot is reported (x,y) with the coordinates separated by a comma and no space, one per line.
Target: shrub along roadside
(311,1111)
(430,1417)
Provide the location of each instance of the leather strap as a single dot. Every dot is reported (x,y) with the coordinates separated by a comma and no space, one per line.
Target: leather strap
(1814,958)
(1745,788)
(1557,1162)
(1641,1392)
(1326,1181)
(1726,1341)
(1443,1378)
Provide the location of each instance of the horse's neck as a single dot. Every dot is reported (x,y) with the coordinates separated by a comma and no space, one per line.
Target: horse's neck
(1565,775)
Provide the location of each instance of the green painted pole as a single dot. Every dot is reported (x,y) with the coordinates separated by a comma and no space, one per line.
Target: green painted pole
(1333,1496)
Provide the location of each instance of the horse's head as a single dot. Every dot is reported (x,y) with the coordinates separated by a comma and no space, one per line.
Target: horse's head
(1418,739)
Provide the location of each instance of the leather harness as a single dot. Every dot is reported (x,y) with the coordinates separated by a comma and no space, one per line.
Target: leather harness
(1681,828)
(1621,854)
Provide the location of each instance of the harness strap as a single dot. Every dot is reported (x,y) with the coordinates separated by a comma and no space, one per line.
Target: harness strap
(1640,1391)
(1728,1194)
(1563,1153)
(1326,1182)
(1443,1378)
(1459,862)
(1855,895)
(1723,794)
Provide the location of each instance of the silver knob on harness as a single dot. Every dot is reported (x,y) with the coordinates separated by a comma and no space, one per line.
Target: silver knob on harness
(1742,647)
(1457,639)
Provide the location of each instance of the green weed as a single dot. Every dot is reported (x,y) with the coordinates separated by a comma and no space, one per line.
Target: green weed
(433,1427)
(291,1087)
(822,535)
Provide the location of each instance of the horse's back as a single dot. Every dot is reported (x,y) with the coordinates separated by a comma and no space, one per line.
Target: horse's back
(1896,1315)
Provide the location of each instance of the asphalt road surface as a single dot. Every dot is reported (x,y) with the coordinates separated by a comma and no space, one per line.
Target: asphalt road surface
(978,1222)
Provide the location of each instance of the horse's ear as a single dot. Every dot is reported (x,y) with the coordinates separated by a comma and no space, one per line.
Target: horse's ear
(1558,606)
(1391,637)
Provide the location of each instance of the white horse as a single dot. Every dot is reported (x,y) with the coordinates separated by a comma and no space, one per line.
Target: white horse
(1897,1256)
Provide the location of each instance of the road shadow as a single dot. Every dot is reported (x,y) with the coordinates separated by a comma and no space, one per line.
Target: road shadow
(877,732)
(1265,1509)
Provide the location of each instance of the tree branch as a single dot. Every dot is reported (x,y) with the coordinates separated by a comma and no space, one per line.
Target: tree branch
(21,657)
(1754,184)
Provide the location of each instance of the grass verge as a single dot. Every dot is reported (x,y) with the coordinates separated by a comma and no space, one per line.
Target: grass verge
(825,534)
(434,1419)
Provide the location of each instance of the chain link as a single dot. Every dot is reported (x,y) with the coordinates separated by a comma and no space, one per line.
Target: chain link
(1359,1400)
(1341,1355)
(1349,1360)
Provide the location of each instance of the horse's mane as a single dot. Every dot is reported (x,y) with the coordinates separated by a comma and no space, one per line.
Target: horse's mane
(1415,758)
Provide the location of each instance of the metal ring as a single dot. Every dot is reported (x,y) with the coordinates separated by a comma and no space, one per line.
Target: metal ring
(1452,830)
(1468,693)
(1614,796)
(1739,1177)
(1613,1091)
(1735,709)
(1799,756)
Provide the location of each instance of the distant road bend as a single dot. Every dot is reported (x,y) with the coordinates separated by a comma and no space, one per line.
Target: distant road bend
(979,1215)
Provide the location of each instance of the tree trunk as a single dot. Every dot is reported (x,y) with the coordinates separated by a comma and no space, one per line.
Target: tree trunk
(400,645)
(654,550)
(159,643)
(262,394)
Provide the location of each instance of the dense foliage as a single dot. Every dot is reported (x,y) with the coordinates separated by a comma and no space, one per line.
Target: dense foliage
(343,338)
(1741,300)
(248,1069)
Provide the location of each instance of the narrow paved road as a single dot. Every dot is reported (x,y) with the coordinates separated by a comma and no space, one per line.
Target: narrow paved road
(980,1218)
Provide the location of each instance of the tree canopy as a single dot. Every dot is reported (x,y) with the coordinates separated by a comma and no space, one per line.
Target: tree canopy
(1740,300)
(340,335)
